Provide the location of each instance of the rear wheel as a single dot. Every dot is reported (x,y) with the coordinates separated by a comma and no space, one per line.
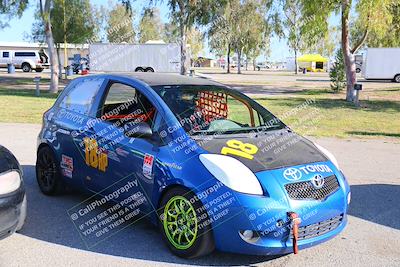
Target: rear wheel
(47,172)
(149,69)
(397,78)
(358,70)
(38,70)
(182,216)
(26,67)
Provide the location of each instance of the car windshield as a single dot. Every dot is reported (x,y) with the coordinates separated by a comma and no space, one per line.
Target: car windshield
(212,109)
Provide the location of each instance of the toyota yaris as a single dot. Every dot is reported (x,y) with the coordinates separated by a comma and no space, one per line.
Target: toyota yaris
(212,168)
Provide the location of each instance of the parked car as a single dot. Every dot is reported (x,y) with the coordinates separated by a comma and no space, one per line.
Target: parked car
(201,154)
(12,194)
(25,60)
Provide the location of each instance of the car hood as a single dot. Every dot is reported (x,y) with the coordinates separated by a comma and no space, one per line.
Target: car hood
(275,149)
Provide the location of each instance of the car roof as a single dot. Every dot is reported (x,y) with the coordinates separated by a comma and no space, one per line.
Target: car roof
(159,79)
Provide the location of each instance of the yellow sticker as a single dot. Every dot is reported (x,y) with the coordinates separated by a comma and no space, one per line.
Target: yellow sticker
(238,148)
(93,157)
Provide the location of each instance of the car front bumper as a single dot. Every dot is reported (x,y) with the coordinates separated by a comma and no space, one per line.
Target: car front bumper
(267,218)
(10,211)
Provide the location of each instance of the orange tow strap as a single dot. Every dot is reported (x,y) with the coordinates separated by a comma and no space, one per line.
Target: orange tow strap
(295,221)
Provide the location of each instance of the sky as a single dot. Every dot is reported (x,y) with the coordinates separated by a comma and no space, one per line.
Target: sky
(20,27)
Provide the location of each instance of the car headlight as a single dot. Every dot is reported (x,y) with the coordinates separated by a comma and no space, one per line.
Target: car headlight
(9,182)
(328,154)
(232,173)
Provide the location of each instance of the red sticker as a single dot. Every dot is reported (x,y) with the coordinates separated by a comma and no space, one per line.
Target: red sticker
(148,165)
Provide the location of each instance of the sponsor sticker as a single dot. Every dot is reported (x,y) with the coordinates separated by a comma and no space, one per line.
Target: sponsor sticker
(148,165)
(67,166)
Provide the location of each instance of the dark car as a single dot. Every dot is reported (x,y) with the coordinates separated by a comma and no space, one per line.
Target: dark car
(12,194)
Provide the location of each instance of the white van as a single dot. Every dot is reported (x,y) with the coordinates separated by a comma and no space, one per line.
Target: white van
(25,60)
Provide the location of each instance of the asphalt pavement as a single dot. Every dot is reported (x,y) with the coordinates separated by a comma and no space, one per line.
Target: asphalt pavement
(372,237)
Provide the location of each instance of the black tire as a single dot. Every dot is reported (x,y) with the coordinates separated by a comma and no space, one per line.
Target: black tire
(397,78)
(149,69)
(203,243)
(26,67)
(139,69)
(48,173)
(38,70)
(358,70)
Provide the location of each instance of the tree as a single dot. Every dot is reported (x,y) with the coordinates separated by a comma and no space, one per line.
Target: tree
(390,37)
(290,26)
(72,22)
(337,73)
(11,9)
(170,33)
(373,16)
(240,27)
(250,27)
(195,42)
(220,32)
(150,26)
(185,14)
(48,30)
(120,25)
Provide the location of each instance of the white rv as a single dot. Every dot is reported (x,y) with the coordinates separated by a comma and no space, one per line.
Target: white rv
(135,57)
(382,64)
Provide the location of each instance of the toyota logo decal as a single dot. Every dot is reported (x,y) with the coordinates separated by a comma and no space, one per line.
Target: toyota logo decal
(318,181)
(292,174)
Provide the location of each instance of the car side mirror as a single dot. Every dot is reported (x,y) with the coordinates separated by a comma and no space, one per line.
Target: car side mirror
(138,129)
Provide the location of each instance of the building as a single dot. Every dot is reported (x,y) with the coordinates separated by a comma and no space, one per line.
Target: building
(204,62)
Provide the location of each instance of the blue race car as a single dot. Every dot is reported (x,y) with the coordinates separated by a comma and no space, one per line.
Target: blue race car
(209,166)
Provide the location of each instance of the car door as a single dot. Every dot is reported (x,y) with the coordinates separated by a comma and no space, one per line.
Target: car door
(130,161)
(71,128)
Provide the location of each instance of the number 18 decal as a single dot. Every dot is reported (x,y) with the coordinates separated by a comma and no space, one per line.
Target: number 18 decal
(238,148)
(93,157)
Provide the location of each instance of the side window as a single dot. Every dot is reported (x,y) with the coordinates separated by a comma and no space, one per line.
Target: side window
(125,103)
(80,98)
(24,54)
(6,54)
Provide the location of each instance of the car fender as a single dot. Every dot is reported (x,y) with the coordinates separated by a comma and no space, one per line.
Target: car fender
(30,62)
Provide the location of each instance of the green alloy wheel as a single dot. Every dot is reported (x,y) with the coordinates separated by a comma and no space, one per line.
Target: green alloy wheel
(180,222)
(181,226)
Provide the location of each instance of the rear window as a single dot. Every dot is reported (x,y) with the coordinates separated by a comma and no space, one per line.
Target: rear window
(25,54)
(6,54)
(80,98)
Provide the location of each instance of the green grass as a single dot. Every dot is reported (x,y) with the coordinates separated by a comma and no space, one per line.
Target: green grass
(332,117)
(328,116)
(23,106)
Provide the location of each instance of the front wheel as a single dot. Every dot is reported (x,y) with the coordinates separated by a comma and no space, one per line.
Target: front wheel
(185,225)
(47,172)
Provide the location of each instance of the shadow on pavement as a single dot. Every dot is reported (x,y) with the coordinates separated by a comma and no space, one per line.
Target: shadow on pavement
(377,203)
(48,221)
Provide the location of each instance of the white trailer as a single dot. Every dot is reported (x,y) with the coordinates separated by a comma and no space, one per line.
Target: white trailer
(135,57)
(382,64)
